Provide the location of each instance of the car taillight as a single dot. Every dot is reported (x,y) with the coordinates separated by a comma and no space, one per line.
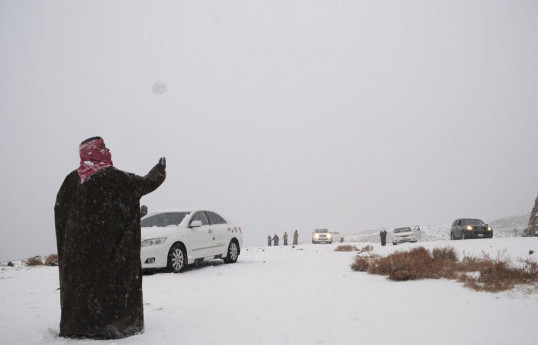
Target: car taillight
(241,231)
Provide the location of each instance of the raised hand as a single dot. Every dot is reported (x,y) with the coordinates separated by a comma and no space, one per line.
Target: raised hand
(162,161)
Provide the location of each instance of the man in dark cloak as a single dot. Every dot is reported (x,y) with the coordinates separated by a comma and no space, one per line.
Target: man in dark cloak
(383,235)
(97,215)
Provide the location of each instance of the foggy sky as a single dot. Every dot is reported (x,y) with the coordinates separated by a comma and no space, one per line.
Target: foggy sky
(280,115)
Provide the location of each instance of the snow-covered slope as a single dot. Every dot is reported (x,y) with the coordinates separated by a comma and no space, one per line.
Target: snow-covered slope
(429,233)
(292,295)
(507,225)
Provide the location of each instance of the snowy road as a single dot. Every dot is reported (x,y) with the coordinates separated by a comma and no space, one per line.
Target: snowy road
(284,295)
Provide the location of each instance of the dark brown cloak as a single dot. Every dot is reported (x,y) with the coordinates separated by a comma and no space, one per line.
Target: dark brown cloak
(98,239)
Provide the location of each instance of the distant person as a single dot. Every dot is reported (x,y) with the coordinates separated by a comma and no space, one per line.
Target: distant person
(275,240)
(285,238)
(269,240)
(97,216)
(295,238)
(383,236)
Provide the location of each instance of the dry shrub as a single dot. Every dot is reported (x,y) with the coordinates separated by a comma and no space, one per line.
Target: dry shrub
(445,254)
(35,261)
(531,267)
(51,260)
(345,248)
(479,273)
(497,275)
(414,264)
(473,263)
(367,248)
(361,263)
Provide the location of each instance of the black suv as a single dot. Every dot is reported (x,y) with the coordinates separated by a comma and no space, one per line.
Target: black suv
(463,228)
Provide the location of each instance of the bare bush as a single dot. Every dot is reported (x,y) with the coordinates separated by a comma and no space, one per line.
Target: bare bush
(478,273)
(35,261)
(51,260)
(498,275)
(404,265)
(361,263)
(445,254)
(367,248)
(345,248)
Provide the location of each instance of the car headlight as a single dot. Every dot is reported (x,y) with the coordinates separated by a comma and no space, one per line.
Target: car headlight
(329,235)
(489,228)
(153,241)
(469,227)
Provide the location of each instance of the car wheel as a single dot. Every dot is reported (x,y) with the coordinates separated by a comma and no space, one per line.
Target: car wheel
(233,253)
(394,243)
(177,259)
(463,235)
(452,236)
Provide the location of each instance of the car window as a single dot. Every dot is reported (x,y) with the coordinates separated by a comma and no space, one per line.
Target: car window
(473,222)
(200,216)
(163,219)
(215,218)
(402,230)
(459,222)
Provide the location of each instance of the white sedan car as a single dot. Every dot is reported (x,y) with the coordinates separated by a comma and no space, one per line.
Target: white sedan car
(175,239)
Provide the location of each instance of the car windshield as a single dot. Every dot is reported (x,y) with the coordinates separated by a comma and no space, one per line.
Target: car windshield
(402,230)
(321,230)
(163,220)
(473,222)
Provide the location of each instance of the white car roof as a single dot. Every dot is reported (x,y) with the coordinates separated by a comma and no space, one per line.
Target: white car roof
(186,210)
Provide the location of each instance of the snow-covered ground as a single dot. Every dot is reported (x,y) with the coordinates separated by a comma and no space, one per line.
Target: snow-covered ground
(302,295)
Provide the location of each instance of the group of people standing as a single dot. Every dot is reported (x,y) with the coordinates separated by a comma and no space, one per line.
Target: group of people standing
(275,239)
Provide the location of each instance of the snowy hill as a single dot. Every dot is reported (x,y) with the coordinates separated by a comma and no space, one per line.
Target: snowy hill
(506,225)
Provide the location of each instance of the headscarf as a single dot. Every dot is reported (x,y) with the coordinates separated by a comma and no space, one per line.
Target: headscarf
(93,158)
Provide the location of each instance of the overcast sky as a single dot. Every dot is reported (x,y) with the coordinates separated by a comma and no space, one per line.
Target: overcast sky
(280,114)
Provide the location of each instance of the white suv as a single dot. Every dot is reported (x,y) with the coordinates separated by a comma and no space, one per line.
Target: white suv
(321,236)
(406,234)
(175,239)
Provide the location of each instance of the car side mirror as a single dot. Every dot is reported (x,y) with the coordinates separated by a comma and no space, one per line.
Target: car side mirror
(196,224)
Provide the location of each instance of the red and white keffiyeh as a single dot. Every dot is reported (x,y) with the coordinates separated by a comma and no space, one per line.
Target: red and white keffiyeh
(93,158)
